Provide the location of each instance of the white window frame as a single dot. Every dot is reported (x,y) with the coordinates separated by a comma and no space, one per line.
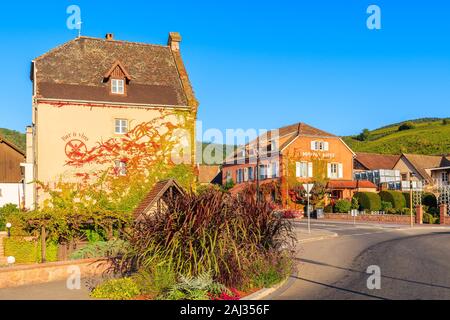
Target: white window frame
(120,126)
(334,171)
(117,86)
(444,177)
(301,169)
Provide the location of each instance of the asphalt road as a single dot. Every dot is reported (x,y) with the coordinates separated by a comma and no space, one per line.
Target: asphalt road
(413,263)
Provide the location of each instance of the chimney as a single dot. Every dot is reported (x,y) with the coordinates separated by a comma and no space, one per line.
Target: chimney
(174,41)
(109,36)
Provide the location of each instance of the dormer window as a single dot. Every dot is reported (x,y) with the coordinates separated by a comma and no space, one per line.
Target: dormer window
(119,79)
(117,86)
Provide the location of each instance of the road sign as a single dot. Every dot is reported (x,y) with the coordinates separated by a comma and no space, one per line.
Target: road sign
(308,187)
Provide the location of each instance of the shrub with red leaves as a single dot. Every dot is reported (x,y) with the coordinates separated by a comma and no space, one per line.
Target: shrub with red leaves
(233,295)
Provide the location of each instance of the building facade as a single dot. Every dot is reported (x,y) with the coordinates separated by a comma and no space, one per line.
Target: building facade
(11,176)
(90,90)
(291,155)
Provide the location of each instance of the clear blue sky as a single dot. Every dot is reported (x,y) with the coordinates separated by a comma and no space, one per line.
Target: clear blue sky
(261,64)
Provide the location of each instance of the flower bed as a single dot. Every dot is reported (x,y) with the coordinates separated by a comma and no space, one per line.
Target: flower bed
(208,246)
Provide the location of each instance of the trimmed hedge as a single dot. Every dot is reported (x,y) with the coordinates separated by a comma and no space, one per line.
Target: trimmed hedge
(429,200)
(369,201)
(342,206)
(396,198)
(407,199)
(29,251)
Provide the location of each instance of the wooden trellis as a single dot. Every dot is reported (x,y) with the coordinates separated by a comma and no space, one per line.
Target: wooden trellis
(444,197)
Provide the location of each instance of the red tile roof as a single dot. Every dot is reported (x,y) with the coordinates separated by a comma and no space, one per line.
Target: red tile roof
(155,194)
(76,70)
(374,161)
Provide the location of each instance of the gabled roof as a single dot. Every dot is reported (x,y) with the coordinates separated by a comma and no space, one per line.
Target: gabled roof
(207,174)
(375,161)
(421,162)
(11,145)
(155,194)
(119,65)
(75,70)
(292,131)
(301,128)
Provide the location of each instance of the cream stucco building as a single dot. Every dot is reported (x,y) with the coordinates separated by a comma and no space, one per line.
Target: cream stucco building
(90,90)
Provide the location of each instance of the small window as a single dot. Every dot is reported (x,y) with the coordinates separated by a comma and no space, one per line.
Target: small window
(117,86)
(121,168)
(121,126)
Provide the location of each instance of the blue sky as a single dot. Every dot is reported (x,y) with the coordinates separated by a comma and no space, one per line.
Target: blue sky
(261,64)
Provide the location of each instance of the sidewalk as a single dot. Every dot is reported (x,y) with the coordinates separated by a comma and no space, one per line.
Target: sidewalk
(316,234)
(47,291)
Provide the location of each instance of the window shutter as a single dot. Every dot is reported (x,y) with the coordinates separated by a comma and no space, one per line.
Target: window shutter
(310,170)
(313,145)
(297,169)
(329,170)
(326,146)
(341,170)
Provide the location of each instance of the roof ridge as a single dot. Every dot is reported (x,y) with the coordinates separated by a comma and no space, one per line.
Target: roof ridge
(124,41)
(97,39)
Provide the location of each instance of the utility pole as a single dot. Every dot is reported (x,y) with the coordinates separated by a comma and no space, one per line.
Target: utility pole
(257,170)
(411,199)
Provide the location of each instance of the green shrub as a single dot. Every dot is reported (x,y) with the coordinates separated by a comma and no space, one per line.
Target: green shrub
(406,126)
(355,203)
(396,198)
(429,218)
(328,209)
(407,197)
(266,272)
(11,214)
(429,200)
(370,201)
(386,206)
(29,251)
(155,281)
(116,289)
(342,206)
(194,288)
(101,249)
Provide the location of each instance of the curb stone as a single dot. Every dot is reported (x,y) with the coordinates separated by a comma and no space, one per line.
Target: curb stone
(265,292)
(334,235)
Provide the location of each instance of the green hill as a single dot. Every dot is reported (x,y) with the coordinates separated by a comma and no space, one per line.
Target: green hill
(429,136)
(14,137)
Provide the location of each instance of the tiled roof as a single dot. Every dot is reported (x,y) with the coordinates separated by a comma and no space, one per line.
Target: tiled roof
(207,174)
(374,161)
(12,145)
(292,132)
(303,129)
(155,194)
(75,71)
(421,162)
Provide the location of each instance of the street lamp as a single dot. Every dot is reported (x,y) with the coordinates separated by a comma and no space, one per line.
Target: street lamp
(11,260)
(411,198)
(8,226)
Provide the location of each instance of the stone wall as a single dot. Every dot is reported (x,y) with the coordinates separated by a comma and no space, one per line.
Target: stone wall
(47,272)
(379,218)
